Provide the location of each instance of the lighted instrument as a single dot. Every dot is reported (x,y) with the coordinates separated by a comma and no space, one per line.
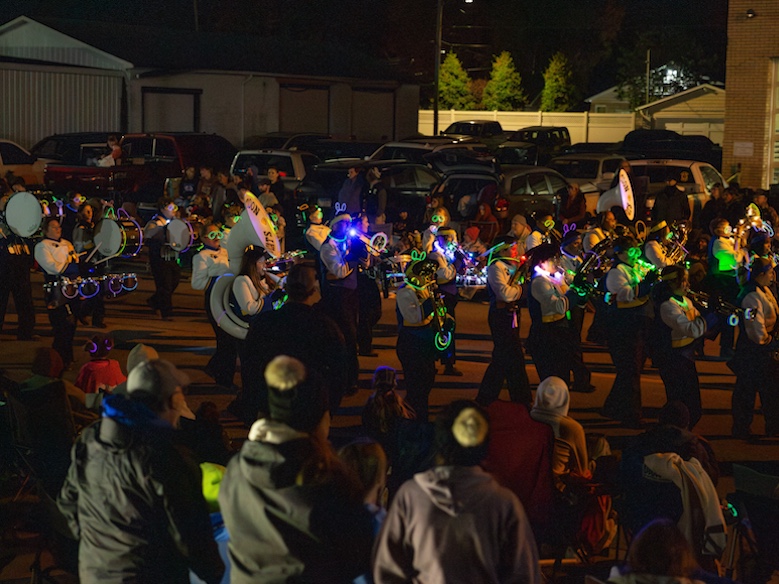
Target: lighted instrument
(721,306)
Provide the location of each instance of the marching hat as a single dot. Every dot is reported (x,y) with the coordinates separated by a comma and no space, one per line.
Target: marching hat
(658,226)
(339,218)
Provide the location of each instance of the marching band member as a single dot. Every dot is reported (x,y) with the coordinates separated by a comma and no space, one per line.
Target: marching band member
(163,259)
(541,234)
(570,260)
(210,263)
(606,225)
(316,234)
(370,299)
(726,257)
(629,318)
(57,258)
(508,360)
(15,264)
(552,338)
(451,262)
(755,363)
(416,348)
(680,327)
(438,220)
(654,250)
(82,238)
(252,286)
(339,258)
(71,209)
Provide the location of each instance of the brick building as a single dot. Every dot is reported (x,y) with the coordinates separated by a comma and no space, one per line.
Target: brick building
(752,101)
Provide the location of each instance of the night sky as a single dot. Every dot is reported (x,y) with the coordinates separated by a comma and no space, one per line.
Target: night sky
(598,36)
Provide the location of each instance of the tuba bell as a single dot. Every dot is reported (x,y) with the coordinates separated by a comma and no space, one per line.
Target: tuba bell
(619,196)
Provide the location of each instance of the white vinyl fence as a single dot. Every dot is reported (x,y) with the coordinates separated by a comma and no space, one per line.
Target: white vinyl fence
(583,126)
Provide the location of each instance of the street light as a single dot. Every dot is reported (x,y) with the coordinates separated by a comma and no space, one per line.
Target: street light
(439,23)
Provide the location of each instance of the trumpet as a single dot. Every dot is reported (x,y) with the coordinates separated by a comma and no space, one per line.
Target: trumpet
(443,322)
(721,306)
(675,252)
(376,244)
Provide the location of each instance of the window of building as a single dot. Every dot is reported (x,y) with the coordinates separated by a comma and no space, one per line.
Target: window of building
(773,171)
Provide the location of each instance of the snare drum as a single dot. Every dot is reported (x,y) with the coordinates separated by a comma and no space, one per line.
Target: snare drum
(180,235)
(69,287)
(114,237)
(89,287)
(129,282)
(23,214)
(112,285)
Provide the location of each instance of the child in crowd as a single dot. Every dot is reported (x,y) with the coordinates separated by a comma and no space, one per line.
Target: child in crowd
(100,372)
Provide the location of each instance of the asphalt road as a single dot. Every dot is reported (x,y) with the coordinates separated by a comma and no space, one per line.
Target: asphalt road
(188,342)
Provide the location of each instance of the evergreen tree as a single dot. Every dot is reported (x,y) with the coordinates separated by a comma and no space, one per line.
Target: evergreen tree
(559,94)
(454,91)
(503,91)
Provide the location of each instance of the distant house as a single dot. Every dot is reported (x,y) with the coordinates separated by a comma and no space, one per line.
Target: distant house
(74,76)
(608,102)
(698,111)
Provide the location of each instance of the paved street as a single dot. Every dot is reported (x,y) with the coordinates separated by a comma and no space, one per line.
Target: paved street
(188,342)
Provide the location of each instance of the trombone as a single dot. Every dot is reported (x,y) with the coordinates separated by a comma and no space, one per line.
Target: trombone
(721,306)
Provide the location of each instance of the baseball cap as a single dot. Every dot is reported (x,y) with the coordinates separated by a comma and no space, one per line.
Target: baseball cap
(157,377)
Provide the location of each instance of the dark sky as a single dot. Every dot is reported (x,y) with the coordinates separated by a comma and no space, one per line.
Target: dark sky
(598,36)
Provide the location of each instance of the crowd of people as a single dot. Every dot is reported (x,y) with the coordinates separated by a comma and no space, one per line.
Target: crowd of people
(411,500)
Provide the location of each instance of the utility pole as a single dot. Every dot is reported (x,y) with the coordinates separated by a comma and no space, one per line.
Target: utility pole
(648,74)
(197,23)
(437,63)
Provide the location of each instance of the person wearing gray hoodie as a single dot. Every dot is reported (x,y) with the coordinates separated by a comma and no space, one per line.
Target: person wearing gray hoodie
(454,522)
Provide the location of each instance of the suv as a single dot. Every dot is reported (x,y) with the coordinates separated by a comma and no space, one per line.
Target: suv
(551,141)
(592,172)
(702,176)
(291,164)
(15,159)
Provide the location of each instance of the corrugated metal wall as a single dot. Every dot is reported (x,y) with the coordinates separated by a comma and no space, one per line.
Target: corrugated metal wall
(36,102)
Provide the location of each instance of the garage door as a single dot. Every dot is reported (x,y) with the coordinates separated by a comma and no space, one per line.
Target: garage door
(303,108)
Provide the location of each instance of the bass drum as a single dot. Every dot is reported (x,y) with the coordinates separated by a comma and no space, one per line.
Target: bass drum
(23,214)
(181,235)
(118,237)
(220,309)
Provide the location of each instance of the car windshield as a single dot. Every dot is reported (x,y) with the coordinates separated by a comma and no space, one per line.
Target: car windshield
(463,128)
(262,161)
(516,155)
(415,155)
(571,168)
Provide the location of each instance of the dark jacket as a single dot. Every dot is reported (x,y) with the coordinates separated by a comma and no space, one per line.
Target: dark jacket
(302,332)
(284,529)
(671,205)
(134,501)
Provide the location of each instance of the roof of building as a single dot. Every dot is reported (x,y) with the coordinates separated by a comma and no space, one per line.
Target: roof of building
(687,94)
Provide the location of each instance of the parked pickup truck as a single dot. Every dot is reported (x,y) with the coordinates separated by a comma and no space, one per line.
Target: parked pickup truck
(147,160)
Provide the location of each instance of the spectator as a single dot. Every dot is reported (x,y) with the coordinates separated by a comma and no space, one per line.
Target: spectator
(276,184)
(376,199)
(99,373)
(454,523)
(713,207)
(671,204)
(206,184)
(187,188)
(472,243)
(114,156)
(266,196)
(767,212)
(520,231)
(487,223)
(140,353)
(151,523)
(574,209)
(292,509)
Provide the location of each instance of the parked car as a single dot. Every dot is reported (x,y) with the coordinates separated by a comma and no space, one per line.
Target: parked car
(291,164)
(77,148)
(655,173)
(511,155)
(487,132)
(148,160)
(15,159)
(535,189)
(414,150)
(461,190)
(592,172)
(283,141)
(329,149)
(551,141)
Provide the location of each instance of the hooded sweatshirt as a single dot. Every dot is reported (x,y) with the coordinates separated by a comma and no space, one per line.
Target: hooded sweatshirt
(455,524)
(284,528)
(551,407)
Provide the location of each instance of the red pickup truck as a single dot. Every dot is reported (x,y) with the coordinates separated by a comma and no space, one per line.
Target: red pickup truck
(147,160)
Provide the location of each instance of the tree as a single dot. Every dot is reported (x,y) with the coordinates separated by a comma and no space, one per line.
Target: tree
(454,91)
(559,94)
(503,91)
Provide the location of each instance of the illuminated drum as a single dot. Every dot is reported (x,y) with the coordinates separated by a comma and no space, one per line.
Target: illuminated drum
(23,214)
(180,235)
(70,287)
(129,282)
(89,287)
(118,237)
